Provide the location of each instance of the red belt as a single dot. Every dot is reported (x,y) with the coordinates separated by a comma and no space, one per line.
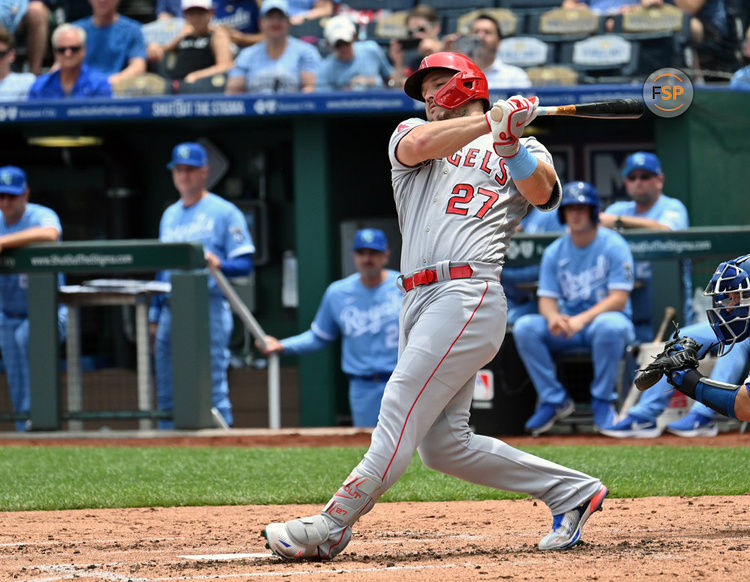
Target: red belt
(430,276)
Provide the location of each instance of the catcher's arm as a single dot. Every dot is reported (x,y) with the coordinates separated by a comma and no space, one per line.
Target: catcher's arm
(680,353)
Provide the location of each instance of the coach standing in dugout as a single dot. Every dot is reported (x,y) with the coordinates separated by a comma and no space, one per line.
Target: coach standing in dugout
(363,309)
(22,223)
(202,216)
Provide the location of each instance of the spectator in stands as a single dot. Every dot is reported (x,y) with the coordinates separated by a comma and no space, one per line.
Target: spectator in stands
(13,86)
(713,30)
(241,20)
(280,63)
(239,17)
(741,78)
(585,281)
(484,43)
(423,25)
(70,76)
(648,207)
(352,65)
(114,43)
(22,223)
(32,17)
(200,52)
(301,10)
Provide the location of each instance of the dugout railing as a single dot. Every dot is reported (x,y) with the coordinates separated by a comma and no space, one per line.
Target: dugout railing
(190,324)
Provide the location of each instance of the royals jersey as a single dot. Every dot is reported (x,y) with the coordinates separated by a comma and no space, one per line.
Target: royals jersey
(366,319)
(461,208)
(670,212)
(213,221)
(579,278)
(14,289)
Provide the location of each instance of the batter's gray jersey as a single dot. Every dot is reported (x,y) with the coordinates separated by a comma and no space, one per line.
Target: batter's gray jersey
(461,208)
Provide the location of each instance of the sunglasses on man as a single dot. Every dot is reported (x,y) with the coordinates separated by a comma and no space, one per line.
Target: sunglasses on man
(639,176)
(61,50)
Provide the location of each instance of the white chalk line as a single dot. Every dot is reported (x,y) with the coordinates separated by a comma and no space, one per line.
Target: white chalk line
(70,571)
(59,542)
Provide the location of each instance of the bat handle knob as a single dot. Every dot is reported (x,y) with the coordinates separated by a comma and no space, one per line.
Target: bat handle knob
(496,114)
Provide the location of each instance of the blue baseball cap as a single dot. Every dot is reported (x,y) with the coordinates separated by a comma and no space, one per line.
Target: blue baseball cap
(190,154)
(370,238)
(12,180)
(280,5)
(641,161)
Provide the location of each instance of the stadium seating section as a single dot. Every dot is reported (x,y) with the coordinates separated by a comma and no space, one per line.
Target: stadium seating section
(553,45)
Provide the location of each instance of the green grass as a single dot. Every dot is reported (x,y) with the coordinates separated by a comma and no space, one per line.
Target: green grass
(48,478)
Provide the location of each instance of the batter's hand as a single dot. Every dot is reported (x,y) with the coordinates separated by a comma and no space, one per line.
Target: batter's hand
(507,121)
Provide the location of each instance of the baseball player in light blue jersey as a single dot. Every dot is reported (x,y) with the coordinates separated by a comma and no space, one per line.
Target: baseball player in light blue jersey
(584,302)
(363,309)
(202,216)
(22,223)
(523,301)
(462,180)
(648,208)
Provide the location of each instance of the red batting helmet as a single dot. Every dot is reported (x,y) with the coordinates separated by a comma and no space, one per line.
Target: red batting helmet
(468,84)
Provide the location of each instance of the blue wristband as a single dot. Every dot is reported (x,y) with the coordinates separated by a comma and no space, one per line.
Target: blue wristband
(522,165)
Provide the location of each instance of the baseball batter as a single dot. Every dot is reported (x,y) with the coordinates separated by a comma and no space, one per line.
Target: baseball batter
(462,182)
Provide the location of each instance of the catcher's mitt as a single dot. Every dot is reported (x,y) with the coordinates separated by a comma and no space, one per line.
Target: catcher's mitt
(679,353)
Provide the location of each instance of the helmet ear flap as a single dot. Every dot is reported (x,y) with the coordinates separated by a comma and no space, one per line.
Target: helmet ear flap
(460,89)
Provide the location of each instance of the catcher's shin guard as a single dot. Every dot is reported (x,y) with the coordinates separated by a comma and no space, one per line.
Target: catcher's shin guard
(356,497)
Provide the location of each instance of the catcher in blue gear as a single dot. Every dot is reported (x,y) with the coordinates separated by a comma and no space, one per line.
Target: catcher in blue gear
(729,316)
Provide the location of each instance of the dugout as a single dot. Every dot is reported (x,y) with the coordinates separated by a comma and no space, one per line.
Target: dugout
(305,166)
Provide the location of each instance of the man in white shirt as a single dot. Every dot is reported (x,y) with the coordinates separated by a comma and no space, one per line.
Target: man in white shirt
(13,86)
(485,31)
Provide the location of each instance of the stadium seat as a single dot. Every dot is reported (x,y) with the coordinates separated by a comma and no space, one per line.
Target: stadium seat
(662,34)
(603,58)
(552,75)
(441,5)
(561,25)
(163,30)
(140,10)
(309,30)
(526,51)
(390,26)
(376,5)
(507,20)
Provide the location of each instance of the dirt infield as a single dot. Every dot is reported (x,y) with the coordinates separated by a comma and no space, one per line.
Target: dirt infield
(697,538)
(705,538)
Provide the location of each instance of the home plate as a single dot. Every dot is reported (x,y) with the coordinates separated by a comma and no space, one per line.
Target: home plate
(227,557)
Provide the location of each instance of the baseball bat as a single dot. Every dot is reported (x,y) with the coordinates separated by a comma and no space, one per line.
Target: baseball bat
(669,314)
(611,109)
(644,380)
